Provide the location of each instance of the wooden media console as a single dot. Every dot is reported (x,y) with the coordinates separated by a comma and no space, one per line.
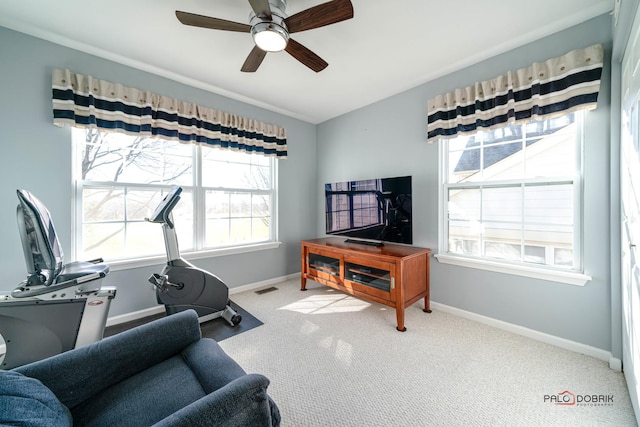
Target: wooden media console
(392,275)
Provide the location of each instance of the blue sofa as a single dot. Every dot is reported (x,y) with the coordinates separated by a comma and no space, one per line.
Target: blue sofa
(162,373)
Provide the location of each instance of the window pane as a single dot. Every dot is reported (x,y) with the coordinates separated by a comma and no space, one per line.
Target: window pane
(217,232)
(464,221)
(504,153)
(563,257)
(261,177)
(502,204)
(122,158)
(100,240)
(465,141)
(463,165)
(141,203)
(548,204)
(260,205)
(502,232)
(502,250)
(226,174)
(103,204)
(554,155)
(462,246)
(236,217)
(535,254)
(496,136)
(260,228)
(240,204)
(143,239)
(464,204)
(235,170)
(240,230)
(102,155)
(551,237)
(184,221)
(150,165)
(217,204)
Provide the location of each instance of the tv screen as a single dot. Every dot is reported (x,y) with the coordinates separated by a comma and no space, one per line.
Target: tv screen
(371,209)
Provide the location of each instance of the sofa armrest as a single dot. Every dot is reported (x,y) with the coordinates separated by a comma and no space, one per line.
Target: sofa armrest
(78,374)
(242,402)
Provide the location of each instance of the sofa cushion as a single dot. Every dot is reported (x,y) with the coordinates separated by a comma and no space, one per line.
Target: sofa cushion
(27,402)
(142,399)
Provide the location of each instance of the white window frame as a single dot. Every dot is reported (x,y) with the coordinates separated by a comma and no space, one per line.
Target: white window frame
(569,276)
(199,217)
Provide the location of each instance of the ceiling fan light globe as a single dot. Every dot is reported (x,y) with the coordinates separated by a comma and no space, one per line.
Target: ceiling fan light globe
(270,37)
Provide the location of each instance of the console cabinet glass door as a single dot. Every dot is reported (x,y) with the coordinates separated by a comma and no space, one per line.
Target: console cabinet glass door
(371,277)
(325,265)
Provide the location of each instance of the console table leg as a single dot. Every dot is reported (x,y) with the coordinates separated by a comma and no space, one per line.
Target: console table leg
(427,305)
(303,283)
(400,319)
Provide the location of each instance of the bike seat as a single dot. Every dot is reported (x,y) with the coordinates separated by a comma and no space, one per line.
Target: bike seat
(77,269)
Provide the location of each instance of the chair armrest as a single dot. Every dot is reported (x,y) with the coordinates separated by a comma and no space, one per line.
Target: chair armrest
(242,402)
(211,365)
(78,374)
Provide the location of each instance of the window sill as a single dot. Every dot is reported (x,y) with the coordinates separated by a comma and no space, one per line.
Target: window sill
(117,265)
(568,277)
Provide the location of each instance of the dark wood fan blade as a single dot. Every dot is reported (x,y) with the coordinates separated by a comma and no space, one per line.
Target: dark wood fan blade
(254,60)
(261,8)
(305,56)
(319,16)
(213,23)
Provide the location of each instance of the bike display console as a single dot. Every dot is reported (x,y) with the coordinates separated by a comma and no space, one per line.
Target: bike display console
(393,275)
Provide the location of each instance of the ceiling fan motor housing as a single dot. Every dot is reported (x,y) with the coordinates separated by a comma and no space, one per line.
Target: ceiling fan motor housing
(274,28)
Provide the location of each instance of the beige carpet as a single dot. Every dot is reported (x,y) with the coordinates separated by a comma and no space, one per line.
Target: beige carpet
(336,360)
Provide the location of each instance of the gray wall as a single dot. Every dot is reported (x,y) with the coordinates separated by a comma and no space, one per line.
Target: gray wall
(36,156)
(388,138)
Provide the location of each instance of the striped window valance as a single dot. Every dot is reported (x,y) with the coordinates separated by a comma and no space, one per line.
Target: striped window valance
(82,101)
(544,90)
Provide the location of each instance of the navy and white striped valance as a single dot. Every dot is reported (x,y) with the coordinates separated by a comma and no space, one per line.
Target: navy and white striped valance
(544,90)
(82,101)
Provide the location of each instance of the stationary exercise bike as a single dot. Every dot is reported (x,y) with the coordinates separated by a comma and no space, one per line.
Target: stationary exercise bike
(59,306)
(181,285)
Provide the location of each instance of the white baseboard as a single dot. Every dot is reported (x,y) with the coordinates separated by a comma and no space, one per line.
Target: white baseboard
(598,353)
(262,284)
(615,364)
(135,315)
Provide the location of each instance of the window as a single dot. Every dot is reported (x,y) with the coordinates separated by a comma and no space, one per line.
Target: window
(227,198)
(512,195)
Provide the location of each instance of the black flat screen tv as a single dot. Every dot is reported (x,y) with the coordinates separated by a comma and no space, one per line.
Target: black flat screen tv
(370,211)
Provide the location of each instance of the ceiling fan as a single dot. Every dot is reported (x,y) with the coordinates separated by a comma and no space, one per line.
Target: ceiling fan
(270,28)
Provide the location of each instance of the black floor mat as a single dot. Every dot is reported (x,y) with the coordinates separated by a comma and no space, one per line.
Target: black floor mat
(218,329)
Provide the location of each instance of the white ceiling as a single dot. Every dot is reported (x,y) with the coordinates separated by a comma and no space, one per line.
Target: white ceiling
(388,47)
